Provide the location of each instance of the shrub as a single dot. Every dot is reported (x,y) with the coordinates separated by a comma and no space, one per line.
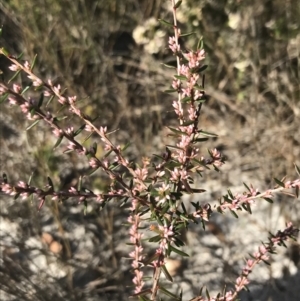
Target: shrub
(153,191)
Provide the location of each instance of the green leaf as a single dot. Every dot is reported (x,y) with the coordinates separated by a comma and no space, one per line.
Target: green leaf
(17,195)
(177,4)
(50,183)
(181,77)
(41,99)
(216,168)
(201,100)
(234,213)
(14,76)
(200,43)
(20,56)
(157,156)
(88,137)
(175,250)
(200,163)
(172,165)
(199,70)
(155,238)
(186,99)
(79,185)
(32,112)
(150,259)
(174,147)
(125,201)
(178,242)
(165,209)
(268,200)
(200,291)
(249,208)
(187,123)
(126,146)
(297,169)
(176,195)
(170,91)
(279,183)
(180,295)
(59,140)
(165,271)
(177,131)
(79,130)
(282,244)
(92,171)
(33,62)
(143,298)
(230,194)
(50,100)
(207,294)
(246,289)
(32,125)
(5,179)
(113,166)
(169,66)
(165,22)
(107,154)
(187,34)
(159,220)
(219,209)
(95,146)
(247,187)
(4,51)
(168,293)
(26,88)
(154,192)
(200,139)
(197,190)
(3,97)
(208,134)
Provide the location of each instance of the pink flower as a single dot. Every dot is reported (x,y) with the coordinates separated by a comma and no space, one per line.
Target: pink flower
(72,99)
(184,70)
(35,81)
(14,67)
(168,232)
(56,89)
(263,250)
(27,65)
(176,84)
(240,283)
(71,146)
(48,93)
(173,45)
(62,100)
(17,88)
(57,132)
(8,189)
(163,192)
(73,190)
(192,113)
(70,131)
(178,109)
(141,173)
